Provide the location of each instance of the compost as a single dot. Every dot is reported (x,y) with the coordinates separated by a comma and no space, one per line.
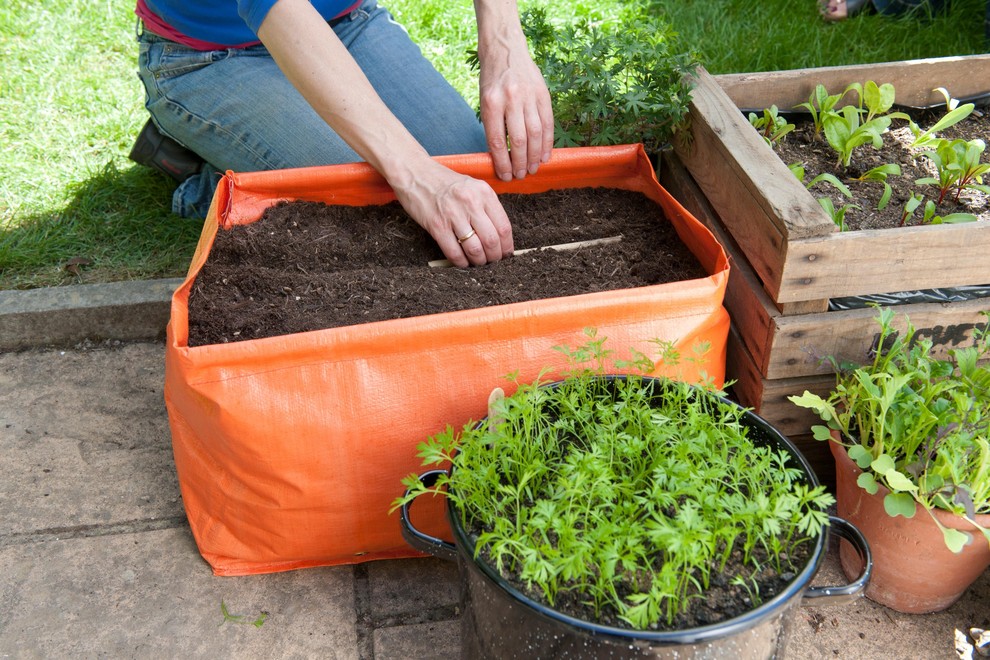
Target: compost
(308,266)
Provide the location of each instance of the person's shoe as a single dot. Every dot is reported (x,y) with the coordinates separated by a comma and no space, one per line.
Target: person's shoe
(154,150)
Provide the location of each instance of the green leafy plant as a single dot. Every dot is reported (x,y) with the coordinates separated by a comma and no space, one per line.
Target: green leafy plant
(958,167)
(880,174)
(771,126)
(243,619)
(612,83)
(798,170)
(878,100)
(845,132)
(821,103)
(916,424)
(626,494)
(955,113)
(929,216)
(914,201)
(838,215)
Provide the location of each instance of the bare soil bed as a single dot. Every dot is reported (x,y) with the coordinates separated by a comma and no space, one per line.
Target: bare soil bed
(803,146)
(308,266)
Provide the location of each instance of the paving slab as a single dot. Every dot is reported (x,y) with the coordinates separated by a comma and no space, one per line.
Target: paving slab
(96,558)
(84,440)
(864,629)
(149,595)
(412,591)
(419,641)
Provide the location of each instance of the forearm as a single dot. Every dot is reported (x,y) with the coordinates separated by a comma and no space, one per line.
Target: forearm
(318,65)
(515,104)
(499,31)
(462,214)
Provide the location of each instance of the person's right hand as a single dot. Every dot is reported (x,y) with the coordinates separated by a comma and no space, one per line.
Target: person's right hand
(463,215)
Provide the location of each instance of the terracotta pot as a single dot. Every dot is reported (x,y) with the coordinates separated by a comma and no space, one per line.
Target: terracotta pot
(913,570)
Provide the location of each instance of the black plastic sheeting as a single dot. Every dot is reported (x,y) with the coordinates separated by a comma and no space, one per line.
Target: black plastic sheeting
(951,294)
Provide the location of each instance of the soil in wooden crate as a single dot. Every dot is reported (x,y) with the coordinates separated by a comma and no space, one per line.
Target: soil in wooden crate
(814,153)
(307,266)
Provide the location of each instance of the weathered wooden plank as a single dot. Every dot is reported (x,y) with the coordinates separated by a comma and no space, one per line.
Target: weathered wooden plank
(886,260)
(761,201)
(768,398)
(803,307)
(769,215)
(799,342)
(740,369)
(781,346)
(913,81)
(748,304)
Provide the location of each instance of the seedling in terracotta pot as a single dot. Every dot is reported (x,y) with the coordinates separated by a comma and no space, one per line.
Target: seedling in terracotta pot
(917,425)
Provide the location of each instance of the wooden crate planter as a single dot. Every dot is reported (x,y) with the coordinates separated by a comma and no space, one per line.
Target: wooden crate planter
(788,258)
(790,242)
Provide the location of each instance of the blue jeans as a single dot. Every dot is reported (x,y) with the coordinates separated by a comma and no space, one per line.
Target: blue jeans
(238,112)
(900,7)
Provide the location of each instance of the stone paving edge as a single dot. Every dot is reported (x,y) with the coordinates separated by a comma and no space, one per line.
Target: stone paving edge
(67,315)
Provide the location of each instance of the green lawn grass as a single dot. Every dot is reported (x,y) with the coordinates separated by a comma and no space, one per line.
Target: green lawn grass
(71,105)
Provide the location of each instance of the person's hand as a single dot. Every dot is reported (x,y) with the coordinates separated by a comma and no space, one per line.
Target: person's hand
(463,215)
(515,104)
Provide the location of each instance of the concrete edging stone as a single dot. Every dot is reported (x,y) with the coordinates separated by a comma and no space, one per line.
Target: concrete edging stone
(67,315)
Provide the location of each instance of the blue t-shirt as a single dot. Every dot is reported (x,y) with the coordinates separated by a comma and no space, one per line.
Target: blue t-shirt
(228,21)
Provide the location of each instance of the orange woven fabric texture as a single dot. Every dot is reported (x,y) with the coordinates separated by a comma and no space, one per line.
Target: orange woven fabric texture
(290,450)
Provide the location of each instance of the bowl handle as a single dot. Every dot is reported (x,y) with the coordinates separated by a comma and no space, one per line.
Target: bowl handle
(417,539)
(816,596)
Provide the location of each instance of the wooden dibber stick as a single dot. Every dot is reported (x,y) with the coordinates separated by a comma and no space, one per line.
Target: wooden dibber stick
(494,400)
(444,263)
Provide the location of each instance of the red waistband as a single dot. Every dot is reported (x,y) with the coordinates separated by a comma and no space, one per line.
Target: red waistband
(153,23)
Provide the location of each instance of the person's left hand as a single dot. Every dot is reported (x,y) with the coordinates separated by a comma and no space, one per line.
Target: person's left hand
(515,104)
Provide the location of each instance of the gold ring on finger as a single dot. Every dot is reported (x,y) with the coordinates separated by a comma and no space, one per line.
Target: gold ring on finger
(461,239)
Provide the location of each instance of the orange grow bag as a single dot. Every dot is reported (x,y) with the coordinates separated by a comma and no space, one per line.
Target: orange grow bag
(290,450)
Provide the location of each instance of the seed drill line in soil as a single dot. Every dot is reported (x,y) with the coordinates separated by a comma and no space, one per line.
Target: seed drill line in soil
(563,247)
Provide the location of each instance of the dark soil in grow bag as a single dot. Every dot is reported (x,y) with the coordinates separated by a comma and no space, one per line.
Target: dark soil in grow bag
(308,266)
